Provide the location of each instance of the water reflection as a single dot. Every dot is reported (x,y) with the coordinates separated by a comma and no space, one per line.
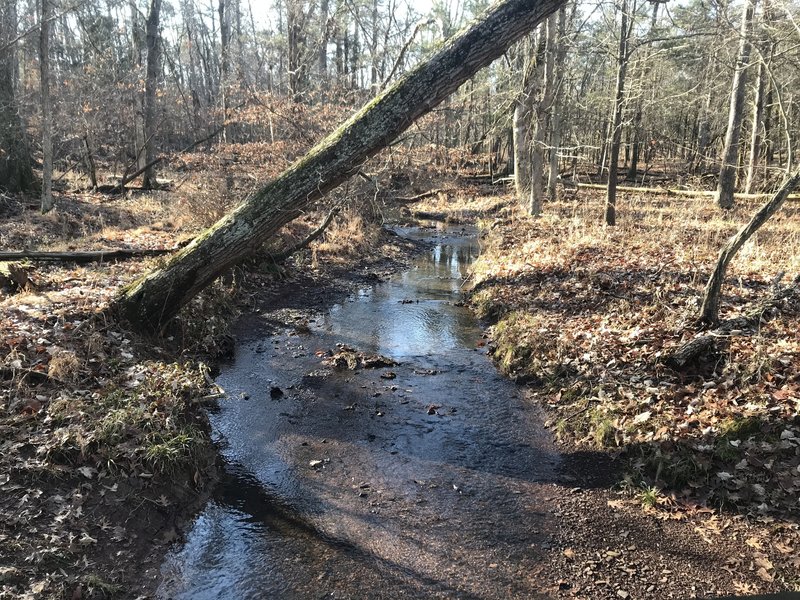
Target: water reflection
(353,486)
(415,314)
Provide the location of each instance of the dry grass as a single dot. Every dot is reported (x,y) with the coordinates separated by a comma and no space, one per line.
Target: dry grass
(688,233)
(347,237)
(589,312)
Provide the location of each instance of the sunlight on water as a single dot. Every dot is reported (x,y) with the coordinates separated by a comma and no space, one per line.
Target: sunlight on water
(413,315)
(327,490)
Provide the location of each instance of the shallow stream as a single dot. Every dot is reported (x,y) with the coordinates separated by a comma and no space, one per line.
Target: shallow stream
(425,479)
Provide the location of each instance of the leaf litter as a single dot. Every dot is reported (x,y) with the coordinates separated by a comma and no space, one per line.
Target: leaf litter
(586,315)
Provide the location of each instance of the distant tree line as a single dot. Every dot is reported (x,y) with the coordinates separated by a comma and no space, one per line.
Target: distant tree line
(631,90)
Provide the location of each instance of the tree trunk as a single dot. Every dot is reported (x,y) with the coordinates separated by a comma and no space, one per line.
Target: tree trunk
(224,64)
(555,117)
(137,45)
(546,57)
(152,300)
(323,43)
(730,154)
(150,85)
(521,125)
(766,47)
(757,125)
(636,128)
(373,49)
(47,107)
(709,312)
(91,169)
(616,124)
(16,172)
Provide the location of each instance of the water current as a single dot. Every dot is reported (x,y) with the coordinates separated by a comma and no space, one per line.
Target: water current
(421,480)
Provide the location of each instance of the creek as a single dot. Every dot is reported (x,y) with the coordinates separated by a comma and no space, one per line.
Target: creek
(425,479)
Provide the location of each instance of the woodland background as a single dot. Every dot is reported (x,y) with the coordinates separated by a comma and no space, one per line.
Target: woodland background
(129,83)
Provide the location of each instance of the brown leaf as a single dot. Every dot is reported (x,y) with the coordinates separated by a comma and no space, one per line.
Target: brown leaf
(754,543)
(763,562)
(784,548)
(762,573)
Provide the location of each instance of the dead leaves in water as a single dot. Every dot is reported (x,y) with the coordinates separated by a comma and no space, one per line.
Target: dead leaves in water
(345,357)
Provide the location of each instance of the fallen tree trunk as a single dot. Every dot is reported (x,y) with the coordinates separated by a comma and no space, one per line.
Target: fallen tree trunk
(709,311)
(418,197)
(151,301)
(84,257)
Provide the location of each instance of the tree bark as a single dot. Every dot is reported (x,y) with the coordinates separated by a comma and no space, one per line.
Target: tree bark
(137,45)
(224,64)
(546,57)
(616,121)
(730,154)
(323,43)
(757,125)
(766,49)
(156,297)
(47,107)
(555,117)
(16,171)
(521,124)
(709,311)
(151,83)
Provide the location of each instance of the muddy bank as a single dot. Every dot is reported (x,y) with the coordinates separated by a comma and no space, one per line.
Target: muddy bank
(105,443)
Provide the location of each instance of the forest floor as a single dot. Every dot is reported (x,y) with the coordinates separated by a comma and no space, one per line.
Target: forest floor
(104,442)
(586,316)
(104,446)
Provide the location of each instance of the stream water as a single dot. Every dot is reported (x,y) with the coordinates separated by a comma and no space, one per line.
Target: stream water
(354,484)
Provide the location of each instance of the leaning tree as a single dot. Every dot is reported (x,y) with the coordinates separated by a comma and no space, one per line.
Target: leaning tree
(151,301)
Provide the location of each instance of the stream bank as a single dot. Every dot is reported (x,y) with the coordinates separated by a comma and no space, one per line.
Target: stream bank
(431,477)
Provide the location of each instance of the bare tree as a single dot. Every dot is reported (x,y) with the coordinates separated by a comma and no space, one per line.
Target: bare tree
(224,63)
(759,129)
(730,154)
(47,106)
(556,120)
(16,172)
(521,123)
(626,24)
(150,85)
(541,114)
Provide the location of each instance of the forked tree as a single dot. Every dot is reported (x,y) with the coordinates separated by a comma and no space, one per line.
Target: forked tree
(709,310)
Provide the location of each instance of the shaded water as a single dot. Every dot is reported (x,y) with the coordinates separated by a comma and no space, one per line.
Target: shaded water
(352,485)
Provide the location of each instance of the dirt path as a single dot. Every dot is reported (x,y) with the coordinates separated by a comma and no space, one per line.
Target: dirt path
(432,477)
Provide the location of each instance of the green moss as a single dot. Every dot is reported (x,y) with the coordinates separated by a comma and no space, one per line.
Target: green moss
(602,428)
(740,428)
(736,428)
